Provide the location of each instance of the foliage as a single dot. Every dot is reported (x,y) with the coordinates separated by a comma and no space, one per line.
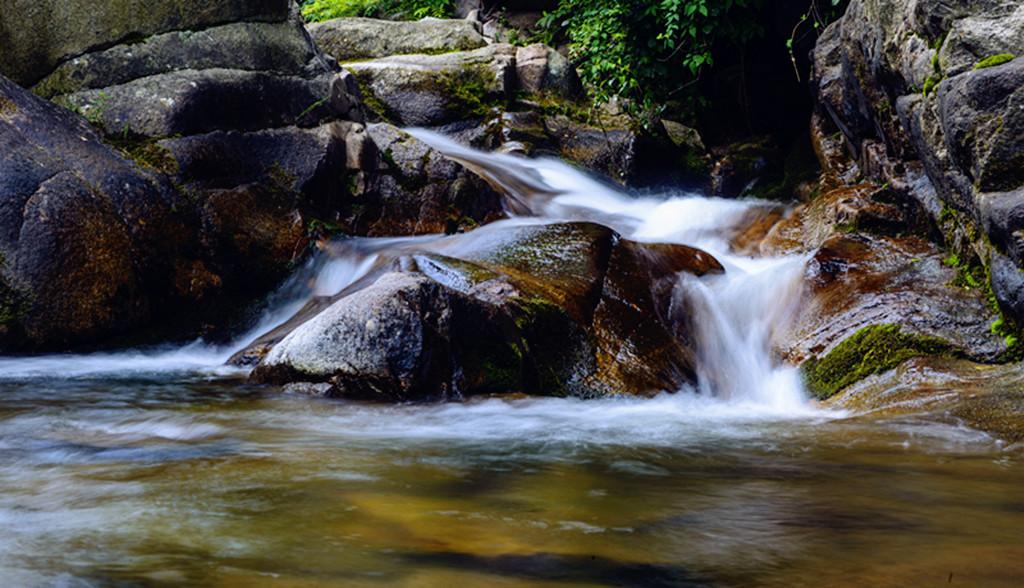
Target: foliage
(818,17)
(646,52)
(319,10)
(871,350)
(994,60)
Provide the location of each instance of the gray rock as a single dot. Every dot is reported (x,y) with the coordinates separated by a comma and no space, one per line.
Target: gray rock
(188,102)
(88,238)
(543,70)
(871,70)
(350,39)
(973,38)
(274,47)
(427,90)
(982,117)
(1008,286)
(37,35)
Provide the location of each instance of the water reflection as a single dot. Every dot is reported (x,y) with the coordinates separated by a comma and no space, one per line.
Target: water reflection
(143,482)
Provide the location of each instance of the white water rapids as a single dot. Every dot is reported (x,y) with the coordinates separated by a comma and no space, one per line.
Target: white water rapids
(738,312)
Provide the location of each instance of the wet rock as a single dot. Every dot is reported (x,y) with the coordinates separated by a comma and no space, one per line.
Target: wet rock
(986,397)
(564,309)
(870,270)
(351,39)
(415,190)
(40,35)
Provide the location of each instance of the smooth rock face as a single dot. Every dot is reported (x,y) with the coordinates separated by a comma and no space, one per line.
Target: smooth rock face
(37,35)
(87,238)
(246,46)
(351,39)
(565,309)
(897,78)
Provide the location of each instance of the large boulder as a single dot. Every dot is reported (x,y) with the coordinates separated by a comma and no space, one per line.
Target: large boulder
(566,309)
(351,39)
(36,36)
(90,242)
(428,90)
(928,96)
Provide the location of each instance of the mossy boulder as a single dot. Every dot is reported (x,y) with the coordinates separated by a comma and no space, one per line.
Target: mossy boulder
(427,90)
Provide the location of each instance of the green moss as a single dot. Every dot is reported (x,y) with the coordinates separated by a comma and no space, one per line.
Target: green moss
(871,350)
(370,100)
(994,60)
(12,303)
(467,88)
(931,83)
(7,107)
(147,153)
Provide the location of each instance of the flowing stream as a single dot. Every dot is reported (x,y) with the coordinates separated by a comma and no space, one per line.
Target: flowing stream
(165,467)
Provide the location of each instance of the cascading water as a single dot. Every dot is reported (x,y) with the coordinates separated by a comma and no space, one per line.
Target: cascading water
(734,316)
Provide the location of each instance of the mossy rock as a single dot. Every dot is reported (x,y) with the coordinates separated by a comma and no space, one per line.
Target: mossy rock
(871,350)
(994,60)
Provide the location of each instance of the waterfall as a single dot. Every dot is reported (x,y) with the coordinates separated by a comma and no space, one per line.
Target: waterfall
(733,317)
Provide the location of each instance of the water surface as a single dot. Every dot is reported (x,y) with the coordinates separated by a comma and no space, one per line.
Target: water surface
(203,479)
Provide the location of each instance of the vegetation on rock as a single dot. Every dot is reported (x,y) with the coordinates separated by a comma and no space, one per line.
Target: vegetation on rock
(994,60)
(871,350)
(320,10)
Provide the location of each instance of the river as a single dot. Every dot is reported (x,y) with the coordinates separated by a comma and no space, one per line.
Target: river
(166,467)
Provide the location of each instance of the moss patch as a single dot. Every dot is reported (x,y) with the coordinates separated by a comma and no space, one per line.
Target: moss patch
(468,90)
(147,153)
(994,60)
(7,106)
(871,350)
(12,303)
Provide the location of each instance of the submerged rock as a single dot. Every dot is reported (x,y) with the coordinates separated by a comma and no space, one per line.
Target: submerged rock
(565,309)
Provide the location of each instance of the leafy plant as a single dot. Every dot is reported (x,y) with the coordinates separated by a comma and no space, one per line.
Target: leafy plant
(319,10)
(646,52)
(818,15)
